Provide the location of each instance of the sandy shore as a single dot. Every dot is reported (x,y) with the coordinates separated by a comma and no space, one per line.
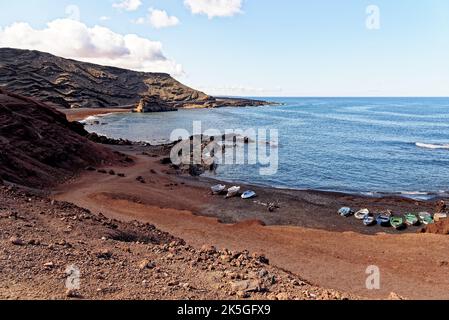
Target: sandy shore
(83,113)
(305,236)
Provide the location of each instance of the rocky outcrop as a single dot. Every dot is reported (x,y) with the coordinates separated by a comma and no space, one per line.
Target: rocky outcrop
(39,147)
(440,227)
(153,104)
(236,102)
(74,84)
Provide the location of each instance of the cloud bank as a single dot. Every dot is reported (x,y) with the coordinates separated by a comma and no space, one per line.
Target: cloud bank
(73,39)
(215,8)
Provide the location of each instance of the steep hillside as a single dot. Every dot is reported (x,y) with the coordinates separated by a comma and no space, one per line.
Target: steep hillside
(39,147)
(74,84)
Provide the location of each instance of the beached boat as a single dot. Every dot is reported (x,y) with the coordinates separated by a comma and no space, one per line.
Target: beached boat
(383,219)
(361,214)
(425,218)
(397,222)
(439,216)
(345,212)
(369,220)
(232,192)
(411,219)
(219,188)
(249,194)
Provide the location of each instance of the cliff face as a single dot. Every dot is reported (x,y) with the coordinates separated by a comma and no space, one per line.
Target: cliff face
(74,84)
(39,147)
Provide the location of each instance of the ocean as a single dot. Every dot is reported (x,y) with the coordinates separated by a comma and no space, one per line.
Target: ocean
(371,146)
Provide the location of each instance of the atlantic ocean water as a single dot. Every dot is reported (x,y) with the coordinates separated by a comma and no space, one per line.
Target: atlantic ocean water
(372,146)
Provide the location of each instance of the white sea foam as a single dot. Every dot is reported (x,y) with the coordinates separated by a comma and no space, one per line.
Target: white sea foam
(92,118)
(432,146)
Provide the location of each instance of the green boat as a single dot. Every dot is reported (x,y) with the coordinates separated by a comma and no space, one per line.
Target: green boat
(397,222)
(411,219)
(426,218)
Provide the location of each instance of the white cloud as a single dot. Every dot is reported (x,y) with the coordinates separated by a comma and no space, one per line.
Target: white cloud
(215,8)
(160,19)
(73,39)
(105,18)
(128,5)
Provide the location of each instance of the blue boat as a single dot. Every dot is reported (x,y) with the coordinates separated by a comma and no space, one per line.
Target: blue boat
(383,219)
(249,194)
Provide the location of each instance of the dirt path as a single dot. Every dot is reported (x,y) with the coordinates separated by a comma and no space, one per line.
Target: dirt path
(412,265)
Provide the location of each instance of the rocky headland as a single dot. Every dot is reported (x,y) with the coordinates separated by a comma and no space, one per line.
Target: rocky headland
(73,84)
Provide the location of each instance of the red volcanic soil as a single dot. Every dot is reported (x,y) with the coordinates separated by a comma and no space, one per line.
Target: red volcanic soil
(39,147)
(305,236)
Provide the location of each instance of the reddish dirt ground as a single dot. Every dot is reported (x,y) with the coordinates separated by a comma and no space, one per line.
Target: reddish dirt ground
(327,250)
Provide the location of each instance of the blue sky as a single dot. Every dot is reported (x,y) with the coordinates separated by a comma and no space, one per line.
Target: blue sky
(270,48)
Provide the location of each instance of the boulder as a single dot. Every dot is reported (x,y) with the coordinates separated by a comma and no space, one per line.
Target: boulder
(146,264)
(441,207)
(246,286)
(17,241)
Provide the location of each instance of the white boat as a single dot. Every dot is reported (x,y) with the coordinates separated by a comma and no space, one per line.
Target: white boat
(248,195)
(219,188)
(439,216)
(360,215)
(232,192)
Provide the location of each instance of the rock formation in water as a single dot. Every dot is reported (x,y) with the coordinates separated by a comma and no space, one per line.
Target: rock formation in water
(39,147)
(153,104)
(74,84)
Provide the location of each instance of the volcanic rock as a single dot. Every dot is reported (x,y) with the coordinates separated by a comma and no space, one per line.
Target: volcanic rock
(16,241)
(441,207)
(39,147)
(153,104)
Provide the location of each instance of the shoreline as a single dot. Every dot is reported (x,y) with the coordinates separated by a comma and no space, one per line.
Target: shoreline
(420,195)
(83,113)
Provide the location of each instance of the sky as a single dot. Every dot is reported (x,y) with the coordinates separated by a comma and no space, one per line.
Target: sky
(250,47)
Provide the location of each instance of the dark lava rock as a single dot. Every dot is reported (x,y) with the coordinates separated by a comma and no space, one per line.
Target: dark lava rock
(39,147)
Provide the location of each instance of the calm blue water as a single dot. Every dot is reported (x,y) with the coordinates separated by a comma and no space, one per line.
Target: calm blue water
(341,144)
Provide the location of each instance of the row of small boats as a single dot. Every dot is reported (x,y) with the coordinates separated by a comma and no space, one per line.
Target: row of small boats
(388,219)
(232,191)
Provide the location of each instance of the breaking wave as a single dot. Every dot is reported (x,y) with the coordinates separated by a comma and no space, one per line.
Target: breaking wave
(432,146)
